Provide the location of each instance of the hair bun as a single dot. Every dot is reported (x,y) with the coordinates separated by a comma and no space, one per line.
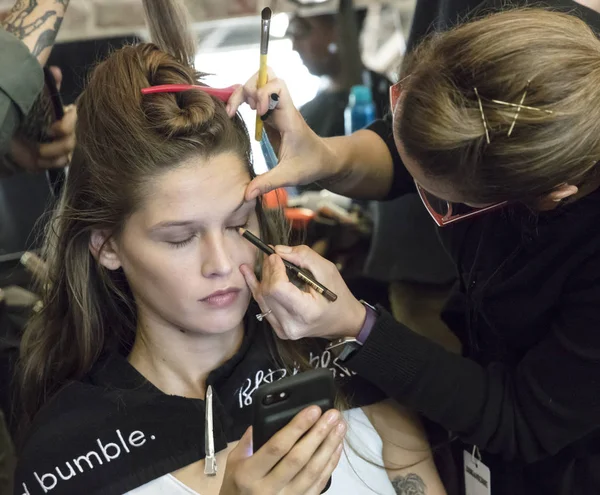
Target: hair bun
(175,114)
(179,114)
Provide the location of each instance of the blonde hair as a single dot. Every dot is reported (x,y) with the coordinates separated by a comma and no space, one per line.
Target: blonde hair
(439,120)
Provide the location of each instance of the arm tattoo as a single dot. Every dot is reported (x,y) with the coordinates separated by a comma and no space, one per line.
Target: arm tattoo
(27,17)
(411,484)
(47,38)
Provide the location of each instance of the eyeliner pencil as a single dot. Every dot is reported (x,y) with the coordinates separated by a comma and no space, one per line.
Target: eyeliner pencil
(298,272)
(265,28)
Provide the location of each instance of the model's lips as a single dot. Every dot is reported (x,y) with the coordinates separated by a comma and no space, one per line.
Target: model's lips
(222,298)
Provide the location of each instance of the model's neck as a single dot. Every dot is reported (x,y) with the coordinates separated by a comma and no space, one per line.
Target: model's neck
(179,362)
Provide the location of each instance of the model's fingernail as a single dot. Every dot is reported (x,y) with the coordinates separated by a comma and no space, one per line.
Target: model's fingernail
(333,417)
(314,413)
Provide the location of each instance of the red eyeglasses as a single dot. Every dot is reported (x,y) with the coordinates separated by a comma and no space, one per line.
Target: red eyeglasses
(441,211)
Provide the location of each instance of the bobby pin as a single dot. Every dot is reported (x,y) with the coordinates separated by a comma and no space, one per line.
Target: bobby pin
(522,106)
(518,106)
(512,126)
(485,126)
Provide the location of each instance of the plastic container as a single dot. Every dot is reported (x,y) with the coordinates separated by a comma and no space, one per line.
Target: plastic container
(360,111)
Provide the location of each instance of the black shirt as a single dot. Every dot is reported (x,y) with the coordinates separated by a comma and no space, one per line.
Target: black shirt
(114,431)
(527,311)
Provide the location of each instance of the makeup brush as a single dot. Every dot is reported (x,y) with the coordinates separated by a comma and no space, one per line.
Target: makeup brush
(262,71)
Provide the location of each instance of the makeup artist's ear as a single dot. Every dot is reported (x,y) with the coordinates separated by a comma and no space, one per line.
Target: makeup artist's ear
(558,195)
(103,248)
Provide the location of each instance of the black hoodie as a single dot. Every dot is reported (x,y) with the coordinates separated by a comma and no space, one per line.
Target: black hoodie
(114,431)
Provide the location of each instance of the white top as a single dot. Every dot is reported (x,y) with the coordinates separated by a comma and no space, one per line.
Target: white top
(353,474)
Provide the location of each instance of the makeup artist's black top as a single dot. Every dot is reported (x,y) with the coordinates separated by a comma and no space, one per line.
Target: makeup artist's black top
(527,310)
(114,431)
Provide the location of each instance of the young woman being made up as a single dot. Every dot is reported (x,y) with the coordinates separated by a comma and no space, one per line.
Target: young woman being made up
(146,306)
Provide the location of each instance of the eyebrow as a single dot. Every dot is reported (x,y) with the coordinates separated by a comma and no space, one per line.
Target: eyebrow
(187,223)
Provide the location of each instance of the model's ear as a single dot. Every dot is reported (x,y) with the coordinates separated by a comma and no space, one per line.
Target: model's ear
(103,247)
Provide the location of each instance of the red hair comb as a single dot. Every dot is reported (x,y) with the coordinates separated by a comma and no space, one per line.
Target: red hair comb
(222,94)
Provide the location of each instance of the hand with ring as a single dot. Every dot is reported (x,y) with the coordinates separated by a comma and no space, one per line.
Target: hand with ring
(262,316)
(295,313)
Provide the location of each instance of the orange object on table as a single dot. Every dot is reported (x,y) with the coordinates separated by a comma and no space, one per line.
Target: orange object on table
(277,198)
(299,217)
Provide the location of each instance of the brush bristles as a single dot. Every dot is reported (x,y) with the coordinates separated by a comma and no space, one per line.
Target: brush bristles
(266,14)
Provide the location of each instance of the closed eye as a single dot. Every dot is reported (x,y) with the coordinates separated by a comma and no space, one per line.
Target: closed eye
(237,227)
(180,244)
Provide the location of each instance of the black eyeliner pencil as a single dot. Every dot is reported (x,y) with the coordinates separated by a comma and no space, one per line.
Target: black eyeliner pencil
(296,271)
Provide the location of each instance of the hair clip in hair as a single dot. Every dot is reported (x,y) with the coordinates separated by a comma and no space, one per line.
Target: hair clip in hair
(485,126)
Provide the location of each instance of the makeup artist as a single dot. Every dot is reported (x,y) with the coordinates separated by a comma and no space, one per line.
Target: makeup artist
(496,123)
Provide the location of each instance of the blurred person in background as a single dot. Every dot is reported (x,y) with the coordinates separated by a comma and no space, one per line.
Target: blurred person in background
(316,39)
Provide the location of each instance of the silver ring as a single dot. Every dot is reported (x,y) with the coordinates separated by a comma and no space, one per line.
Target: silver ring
(262,316)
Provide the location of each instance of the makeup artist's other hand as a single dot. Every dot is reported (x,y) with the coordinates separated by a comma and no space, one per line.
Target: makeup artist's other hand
(295,313)
(304,157)
(297,460)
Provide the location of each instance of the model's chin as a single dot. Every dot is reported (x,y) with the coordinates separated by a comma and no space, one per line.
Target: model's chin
(221,316)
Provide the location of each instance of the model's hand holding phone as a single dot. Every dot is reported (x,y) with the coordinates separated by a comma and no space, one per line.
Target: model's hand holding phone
(297,460)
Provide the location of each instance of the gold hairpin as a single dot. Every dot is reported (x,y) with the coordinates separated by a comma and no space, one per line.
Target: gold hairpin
(512,126)
(485,126)
(518,106)
(522,106)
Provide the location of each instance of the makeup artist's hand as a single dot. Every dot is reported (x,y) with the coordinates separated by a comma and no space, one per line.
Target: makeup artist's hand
(295,313)
(297,460)
(304,157)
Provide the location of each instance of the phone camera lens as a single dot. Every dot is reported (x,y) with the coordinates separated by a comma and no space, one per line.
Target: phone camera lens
(268,400)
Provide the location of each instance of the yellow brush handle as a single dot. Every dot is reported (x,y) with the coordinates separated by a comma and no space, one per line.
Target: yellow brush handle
(262,80)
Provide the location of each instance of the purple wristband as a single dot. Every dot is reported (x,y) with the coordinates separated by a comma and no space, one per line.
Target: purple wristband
(369,323)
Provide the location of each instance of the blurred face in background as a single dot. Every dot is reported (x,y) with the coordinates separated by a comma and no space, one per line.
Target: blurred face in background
(315,40)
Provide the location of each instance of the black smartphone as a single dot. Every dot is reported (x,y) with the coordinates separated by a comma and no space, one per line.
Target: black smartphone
(55,99)
(276,404)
